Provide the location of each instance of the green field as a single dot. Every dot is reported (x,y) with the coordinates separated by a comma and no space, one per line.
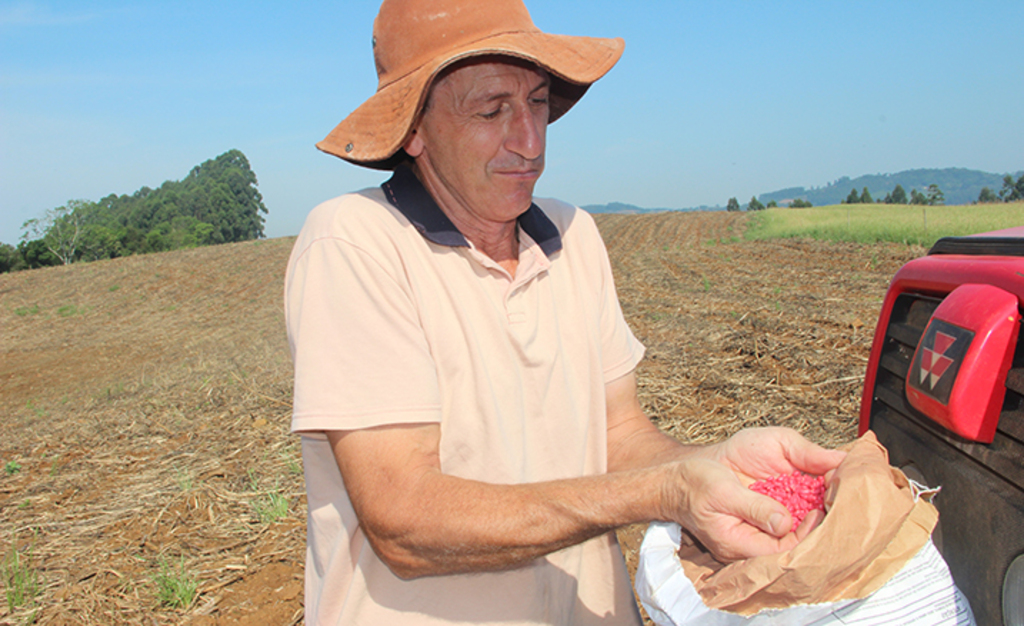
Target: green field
(870,223)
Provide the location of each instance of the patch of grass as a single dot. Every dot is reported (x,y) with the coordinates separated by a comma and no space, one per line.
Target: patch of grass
(25,310)
(69,310)
(175,588)
(21,582)
(37,410)
(706,283)
(113,392)
(292,460)
(12,468)
(270,506)
(184,478)
(873,223)
(254,481)
(114,287)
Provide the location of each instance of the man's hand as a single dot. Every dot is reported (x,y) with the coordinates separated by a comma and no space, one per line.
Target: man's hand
(706,489)
(717,506)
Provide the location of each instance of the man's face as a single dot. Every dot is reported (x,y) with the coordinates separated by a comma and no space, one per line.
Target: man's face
(479,146)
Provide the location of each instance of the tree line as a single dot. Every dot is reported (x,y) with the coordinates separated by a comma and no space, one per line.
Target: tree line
(932,196)
(757,205)
(1012,191)
(217,202)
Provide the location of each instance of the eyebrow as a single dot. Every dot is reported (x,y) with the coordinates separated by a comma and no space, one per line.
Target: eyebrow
(545,83)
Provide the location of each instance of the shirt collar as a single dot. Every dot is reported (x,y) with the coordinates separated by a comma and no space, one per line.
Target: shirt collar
(405,191)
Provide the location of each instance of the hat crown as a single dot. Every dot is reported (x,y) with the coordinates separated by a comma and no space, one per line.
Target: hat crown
(409,34)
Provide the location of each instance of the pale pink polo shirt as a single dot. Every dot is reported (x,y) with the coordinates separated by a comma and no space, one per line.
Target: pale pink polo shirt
(389,326)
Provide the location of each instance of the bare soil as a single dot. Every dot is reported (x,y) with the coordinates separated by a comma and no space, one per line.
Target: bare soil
(145,402)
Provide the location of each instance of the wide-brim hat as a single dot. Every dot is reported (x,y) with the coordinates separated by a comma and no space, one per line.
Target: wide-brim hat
(414,40)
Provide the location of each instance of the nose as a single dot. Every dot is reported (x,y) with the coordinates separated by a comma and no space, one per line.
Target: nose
(527,131)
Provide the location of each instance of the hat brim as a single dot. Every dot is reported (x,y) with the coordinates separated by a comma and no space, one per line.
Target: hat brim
(374,133)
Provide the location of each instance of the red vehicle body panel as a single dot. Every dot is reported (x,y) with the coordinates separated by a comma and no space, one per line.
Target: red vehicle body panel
(939,275)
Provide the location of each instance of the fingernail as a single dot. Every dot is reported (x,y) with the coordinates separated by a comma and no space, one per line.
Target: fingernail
(775,522)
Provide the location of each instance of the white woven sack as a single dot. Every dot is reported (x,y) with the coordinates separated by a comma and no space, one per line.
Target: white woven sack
(921,594)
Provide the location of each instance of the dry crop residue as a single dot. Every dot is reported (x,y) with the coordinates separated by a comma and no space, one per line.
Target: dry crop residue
(146,401)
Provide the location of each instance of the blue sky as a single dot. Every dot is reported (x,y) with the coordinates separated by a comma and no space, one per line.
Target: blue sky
(711,99)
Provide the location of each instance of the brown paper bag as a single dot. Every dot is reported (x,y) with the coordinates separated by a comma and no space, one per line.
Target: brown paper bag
(874,525)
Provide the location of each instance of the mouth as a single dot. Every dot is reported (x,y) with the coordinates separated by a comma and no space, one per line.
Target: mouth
(521,174)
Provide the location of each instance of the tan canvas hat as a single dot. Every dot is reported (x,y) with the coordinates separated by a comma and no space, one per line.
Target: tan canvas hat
(413,40)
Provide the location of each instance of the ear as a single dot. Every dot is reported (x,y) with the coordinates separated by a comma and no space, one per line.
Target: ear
(414,144)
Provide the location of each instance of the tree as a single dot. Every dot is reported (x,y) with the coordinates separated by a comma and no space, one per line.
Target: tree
(800,203)
(773,204)
(865,197)
(987,196)
(897,196)
(733,205)
(217,202)
(1012,191)
(916,197)
(9,258)
(35,254)
(222,192)
(935,195)
(853,198)
(755,204)
(59,229)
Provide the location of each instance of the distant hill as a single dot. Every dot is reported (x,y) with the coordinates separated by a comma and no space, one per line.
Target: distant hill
(959,185)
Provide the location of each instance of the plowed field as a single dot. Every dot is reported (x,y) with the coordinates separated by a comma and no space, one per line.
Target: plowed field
(145,403)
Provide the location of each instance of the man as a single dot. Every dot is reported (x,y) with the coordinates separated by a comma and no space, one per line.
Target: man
(464,376)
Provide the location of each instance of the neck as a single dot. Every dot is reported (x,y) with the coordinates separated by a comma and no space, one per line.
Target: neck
(499,240)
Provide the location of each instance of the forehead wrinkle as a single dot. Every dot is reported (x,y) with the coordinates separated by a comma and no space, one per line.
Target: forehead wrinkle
(480,91)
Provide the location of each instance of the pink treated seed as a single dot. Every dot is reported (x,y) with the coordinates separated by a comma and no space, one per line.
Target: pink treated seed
(798,492)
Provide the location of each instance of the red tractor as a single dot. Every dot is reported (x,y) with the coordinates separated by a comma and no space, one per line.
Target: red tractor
(944,392)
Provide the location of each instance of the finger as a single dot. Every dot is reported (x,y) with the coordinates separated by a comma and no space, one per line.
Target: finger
(760,511)
(811,521)
(750,542)
(811,458)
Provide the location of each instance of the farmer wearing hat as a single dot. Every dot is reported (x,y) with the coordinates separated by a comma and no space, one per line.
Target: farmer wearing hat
(464,380)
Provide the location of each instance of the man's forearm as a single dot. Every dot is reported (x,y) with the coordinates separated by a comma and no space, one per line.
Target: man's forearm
(440,524)
(633,441)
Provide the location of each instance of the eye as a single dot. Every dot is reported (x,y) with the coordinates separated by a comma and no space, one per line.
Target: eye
(490,115)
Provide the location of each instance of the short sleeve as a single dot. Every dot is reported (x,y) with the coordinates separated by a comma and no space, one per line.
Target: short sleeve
(360,355)
(621,350)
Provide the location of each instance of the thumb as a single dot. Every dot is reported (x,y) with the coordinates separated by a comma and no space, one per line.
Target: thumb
(763,512)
